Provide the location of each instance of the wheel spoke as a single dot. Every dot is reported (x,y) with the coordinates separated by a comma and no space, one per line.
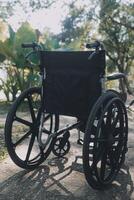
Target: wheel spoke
(109,117)
(35,158)
(117,131)
(44,130)
(97,157)
(31,108)
(64,150)
(60,151)
(103,165)
(23,121)
(119,139)
(56,148)
(115,121)
(47,117)
(98,140)
(56,144)
(30,147)
(111,157)
(22,138)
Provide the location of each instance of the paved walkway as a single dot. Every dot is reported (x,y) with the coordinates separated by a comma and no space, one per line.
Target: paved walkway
(63,179)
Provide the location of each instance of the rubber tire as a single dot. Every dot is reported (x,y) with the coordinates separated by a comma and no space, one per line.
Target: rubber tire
(120,95)
(63,154)
(8,131)
(88,174)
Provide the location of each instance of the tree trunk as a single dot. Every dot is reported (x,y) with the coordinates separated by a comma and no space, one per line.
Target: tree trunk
(128,86)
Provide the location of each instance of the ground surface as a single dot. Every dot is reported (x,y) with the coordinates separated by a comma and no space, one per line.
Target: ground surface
(62,179)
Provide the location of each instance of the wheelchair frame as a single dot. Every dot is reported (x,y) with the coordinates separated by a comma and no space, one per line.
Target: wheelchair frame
(109,109)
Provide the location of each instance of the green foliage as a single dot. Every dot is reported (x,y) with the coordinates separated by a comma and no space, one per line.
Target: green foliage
(115,22)
(2,57)
(7,47)
(49,41)
(25,34)
(38,4)
(75,27)
(116,28)
(17,80)
(19,76)
(11,47)
(7,8)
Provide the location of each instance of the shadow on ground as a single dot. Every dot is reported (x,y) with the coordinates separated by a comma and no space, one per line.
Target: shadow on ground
(59,180)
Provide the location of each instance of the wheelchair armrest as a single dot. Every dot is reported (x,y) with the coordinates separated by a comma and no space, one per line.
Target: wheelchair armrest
(115,76)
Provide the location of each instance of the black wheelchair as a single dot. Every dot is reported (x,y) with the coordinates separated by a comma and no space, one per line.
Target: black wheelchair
(73,84)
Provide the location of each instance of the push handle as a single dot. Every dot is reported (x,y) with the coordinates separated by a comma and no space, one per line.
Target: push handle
(35,49)
(29,45)
(94,45)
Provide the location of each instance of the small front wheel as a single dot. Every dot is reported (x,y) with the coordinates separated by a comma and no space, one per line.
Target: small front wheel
(61,147)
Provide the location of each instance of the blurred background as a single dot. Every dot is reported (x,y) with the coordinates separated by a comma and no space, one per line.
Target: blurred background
(58,25)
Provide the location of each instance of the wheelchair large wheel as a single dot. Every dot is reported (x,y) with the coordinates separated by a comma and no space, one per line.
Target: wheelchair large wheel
(22,128)
(123,96)
(105,141)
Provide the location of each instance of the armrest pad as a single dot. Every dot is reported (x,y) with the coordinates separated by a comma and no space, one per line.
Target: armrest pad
(115,76)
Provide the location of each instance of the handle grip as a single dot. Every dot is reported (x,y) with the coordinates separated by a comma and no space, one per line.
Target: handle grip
(94,45)
(29,45)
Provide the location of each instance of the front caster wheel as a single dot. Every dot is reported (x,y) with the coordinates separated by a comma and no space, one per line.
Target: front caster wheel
(61,147)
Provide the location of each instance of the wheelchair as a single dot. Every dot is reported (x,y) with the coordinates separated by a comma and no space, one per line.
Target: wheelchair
(72,84)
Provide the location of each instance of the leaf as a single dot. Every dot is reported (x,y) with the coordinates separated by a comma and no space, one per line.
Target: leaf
(2,57)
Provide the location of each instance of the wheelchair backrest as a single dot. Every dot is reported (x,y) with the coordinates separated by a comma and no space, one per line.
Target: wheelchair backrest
(72,82)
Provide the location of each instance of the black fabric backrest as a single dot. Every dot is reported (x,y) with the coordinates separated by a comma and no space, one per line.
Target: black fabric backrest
(73,81)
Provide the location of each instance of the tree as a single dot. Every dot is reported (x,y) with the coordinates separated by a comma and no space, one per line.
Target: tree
(116,27)
(10,85)
(11,47)
(19,75)
(7,8)
(76,26)
(48,40)
(38,4)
